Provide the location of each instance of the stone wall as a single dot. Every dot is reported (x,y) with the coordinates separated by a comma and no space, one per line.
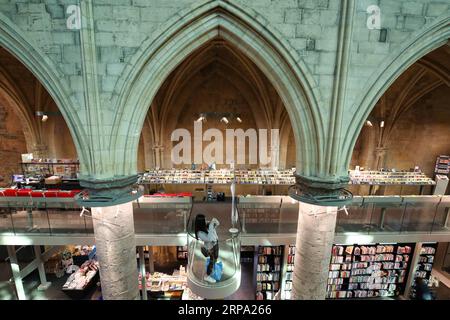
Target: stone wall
(309,29)
(12,144)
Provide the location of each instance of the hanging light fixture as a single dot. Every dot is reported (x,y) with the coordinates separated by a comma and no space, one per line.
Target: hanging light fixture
(369,123)
(225,120)
(201,118)
(382,124)
(44,118)
(239,119)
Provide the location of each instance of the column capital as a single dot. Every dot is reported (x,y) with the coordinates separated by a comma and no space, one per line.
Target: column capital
(109,191)
(321,191)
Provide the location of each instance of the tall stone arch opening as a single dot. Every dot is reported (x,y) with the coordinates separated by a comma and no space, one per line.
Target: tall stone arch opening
(18,44)
(414,112)
(424,41)
(220,20)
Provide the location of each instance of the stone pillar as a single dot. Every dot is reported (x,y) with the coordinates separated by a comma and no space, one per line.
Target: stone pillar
(315,236)
(157,154)
(116,251)
(319,200)
(380,153)
(161,156)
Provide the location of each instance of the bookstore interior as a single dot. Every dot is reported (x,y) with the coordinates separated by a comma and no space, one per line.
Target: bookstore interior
(201,230)
(358,270)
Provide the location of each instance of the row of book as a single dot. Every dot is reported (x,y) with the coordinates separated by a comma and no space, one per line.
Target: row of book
(442,165)
(266,267)
(185,176)
(270,276)
(368,250)
(269,271)
(389,177)
(368,270)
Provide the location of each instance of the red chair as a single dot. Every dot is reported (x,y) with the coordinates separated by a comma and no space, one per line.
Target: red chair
(51,193)
(23,193)
(37,194)
(64,194)
(10,193)
(185,194)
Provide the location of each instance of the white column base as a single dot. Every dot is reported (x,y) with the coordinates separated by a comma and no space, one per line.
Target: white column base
(44,286)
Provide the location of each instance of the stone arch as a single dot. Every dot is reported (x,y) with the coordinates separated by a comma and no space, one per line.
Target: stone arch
(422,42)
(16,42)
(248,32)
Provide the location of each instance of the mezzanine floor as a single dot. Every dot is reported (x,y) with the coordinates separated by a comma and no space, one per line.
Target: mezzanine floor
(264,221)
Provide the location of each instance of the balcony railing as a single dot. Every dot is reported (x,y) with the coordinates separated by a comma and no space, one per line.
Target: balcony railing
(258,215)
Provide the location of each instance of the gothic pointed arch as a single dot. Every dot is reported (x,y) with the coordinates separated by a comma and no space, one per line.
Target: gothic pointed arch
(16,42)
(246,31)
(424,41)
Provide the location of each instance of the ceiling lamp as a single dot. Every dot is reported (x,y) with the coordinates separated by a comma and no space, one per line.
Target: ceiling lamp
(225,120)
(201,118)
(239,119)
(369,123)
(44,118)
(382,124)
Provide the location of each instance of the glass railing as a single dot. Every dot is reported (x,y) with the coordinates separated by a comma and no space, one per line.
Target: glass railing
(394,215)
(257,215)
(44,221)
(371,214)
(161,215)
(273,214)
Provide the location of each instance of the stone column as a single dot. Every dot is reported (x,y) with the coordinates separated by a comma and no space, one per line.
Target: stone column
(319,200)
(116,251)
(156,152)
(161,157)
(380,154)
(315,236)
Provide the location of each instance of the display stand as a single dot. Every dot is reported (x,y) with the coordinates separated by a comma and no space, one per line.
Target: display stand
(88,275)
(79,294)
(160,286)
(424,265)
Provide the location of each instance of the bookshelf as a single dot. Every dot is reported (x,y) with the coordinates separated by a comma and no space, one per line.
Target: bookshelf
(182,253)
(67,169)
(389,178)
(289,272)
(247,254)
(220,176)
(442,165)
(365,271)
(424,265)
(268,271)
